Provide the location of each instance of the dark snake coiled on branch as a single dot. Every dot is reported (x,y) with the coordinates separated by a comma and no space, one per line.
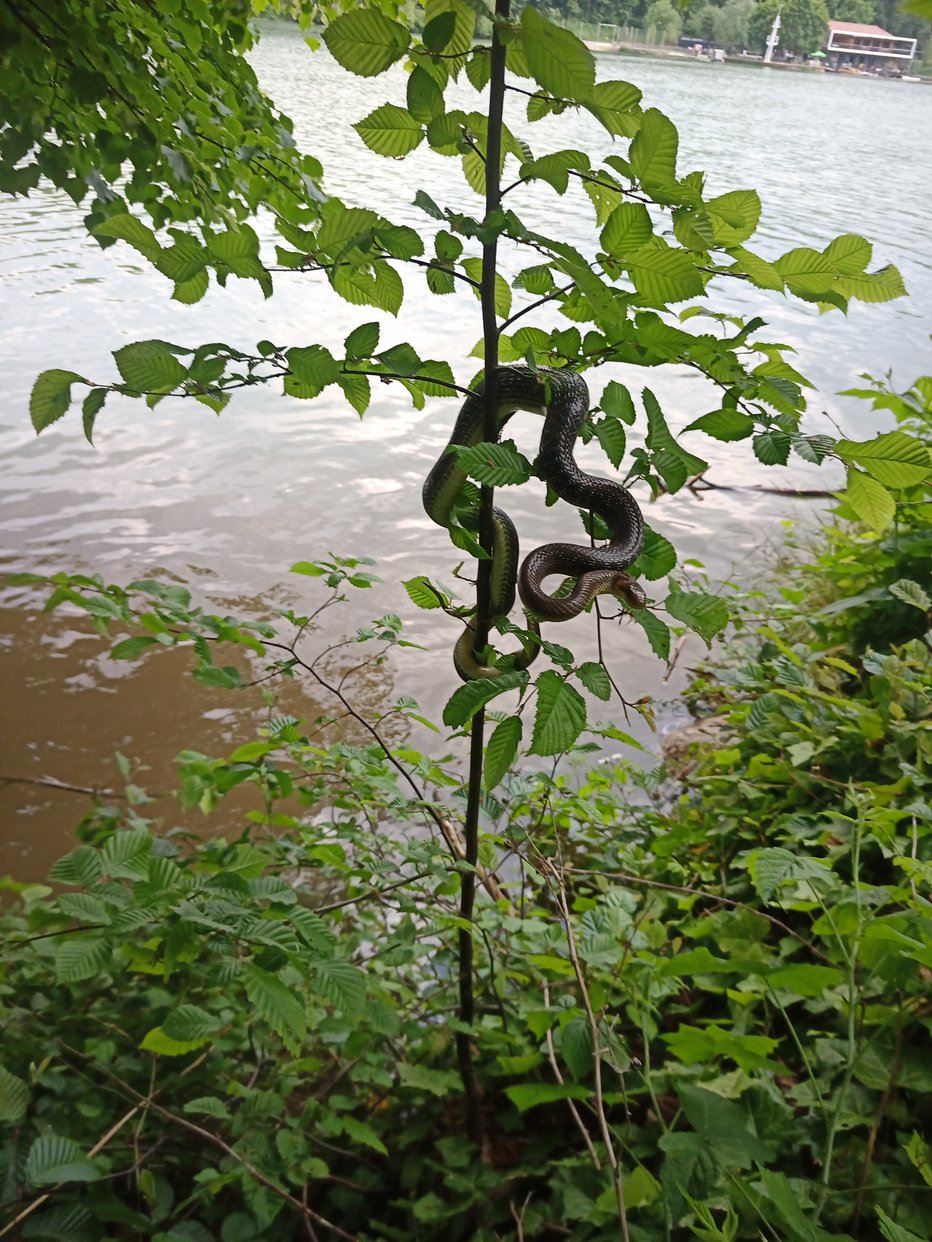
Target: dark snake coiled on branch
(563,399)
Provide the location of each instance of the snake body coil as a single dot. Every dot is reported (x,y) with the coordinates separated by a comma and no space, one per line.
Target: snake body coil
(563,398)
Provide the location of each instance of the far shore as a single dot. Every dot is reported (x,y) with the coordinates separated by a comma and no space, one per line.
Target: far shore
(684,56)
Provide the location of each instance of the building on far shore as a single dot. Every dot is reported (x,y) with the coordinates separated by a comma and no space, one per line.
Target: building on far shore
(851,46)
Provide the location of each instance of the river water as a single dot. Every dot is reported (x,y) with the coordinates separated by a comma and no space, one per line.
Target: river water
(227,504)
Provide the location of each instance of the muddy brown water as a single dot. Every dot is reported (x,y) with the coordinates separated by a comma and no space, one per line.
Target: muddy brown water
(228,504)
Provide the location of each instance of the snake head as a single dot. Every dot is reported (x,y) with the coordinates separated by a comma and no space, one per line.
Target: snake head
(630,592)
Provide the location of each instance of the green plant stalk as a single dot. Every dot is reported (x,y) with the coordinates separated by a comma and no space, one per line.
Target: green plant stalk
(852,981)
(794,1035)
(483,579)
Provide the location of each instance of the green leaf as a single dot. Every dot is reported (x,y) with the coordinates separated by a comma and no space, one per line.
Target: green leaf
(400,241)
(237,250)
(780,1191)
(657,631)
(761,273)
(501,750)
(707,615)
(894,458)
(312,368)
(81,957)
(365,42)
(343,227)
(594,677)
(210,1105)
(576,1047)
(734,216)
(690,1166)
(660,440)
(725,424)
(163,1045)
(423,1078)
(889,1228)
(363,341)
(611,435)
(343,984)
(126,854)
(772,447)
(653,151)
(277,1004)
(459,39)
(425,98)
(558,61)
(151,366)
(359,1132)
(881,286)
(357,391)
(51,396)
(469,698)
(663,274)
(93,404)
(423,594)
(190,291)
(390,131)
(849,255)
(80,866)
(770,868)
(382,287)
(14,1097)
(190,1022)
(657,558)
(627,228)
(555,168)
(910,593)
(495,465)
(130,648)
(128,228)
(617,402)
(805,979)
(723,1125)
(560,715)
(693,1044)
(526,1096)
(870,500)
(615,105)
(53,1159)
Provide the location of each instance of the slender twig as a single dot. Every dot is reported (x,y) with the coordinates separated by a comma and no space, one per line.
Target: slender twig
(526,310)
(370,893)
(49,782)
(144,1103)
(615,1164)
(217,1141)
(571,1104)
(709,896)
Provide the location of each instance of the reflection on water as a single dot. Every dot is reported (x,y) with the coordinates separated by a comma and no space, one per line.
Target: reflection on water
(228,504)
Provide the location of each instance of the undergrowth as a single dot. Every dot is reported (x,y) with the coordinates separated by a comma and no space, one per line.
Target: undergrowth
(702,1008)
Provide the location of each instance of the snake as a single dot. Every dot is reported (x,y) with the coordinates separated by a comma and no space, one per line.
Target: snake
(562,398)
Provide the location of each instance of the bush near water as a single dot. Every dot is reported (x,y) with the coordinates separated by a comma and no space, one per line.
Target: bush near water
(727,966)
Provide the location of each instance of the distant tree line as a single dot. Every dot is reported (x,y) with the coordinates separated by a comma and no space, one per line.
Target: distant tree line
(740,24)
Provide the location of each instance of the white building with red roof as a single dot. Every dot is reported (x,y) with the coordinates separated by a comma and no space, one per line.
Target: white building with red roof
(867,48)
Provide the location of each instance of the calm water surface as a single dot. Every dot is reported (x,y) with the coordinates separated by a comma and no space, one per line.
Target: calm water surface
(228,504)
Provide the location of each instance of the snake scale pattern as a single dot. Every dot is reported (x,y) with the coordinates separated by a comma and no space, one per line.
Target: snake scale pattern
(562,398)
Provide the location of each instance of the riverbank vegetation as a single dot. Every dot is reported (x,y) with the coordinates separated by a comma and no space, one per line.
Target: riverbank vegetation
(742,25)
(702,998)
(557,997)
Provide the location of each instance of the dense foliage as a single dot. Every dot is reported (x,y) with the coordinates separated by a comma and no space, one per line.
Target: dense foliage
(704,990)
